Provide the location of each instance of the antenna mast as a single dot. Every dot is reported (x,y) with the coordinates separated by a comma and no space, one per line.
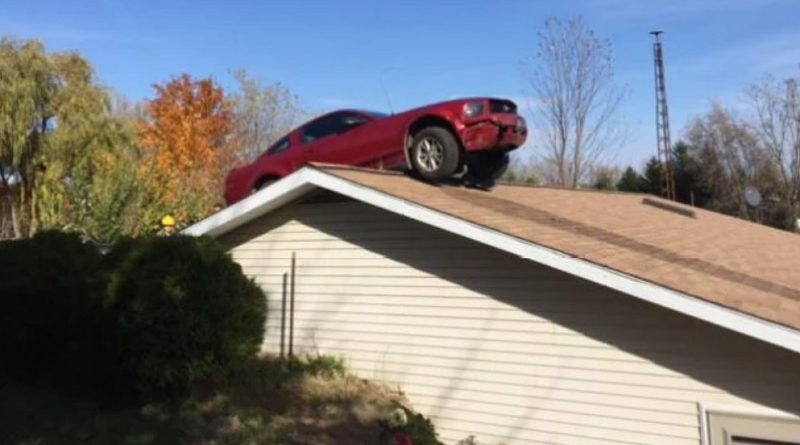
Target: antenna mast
(662,122)
(385,91)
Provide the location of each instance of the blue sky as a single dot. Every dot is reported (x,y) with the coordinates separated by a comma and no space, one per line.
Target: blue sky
(334,53)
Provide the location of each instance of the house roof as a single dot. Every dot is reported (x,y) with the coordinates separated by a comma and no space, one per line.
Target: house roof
(727,271)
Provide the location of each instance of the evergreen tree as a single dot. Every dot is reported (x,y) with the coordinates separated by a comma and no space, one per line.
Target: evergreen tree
(631,181)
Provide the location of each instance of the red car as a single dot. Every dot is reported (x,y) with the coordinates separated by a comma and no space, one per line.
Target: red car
(470,136)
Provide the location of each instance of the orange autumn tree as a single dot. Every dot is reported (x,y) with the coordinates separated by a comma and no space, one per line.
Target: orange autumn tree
(188,145)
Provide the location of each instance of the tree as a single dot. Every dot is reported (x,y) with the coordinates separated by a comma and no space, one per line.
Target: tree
(777,126)
(576,99)
(631,181)
(688,188)
(28,86)
(187,147)
(729,158)
(652,177)
(604,178)
(264,113)
(56,137)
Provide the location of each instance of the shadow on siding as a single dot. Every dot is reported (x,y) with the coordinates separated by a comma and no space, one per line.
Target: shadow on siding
(747,368)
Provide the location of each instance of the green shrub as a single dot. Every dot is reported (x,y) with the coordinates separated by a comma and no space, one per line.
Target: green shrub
(49,306)
(182,312)
(421,430)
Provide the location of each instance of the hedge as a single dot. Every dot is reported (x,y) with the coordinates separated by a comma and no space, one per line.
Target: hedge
(182,312)
(51,297)
(154,315)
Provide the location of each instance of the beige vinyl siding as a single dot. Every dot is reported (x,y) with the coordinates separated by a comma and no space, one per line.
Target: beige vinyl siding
(497,346)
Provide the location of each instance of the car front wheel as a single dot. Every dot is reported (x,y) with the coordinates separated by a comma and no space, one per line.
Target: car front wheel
(435,153)
(488,166)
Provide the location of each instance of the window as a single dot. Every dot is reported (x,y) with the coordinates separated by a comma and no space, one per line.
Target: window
(748,429)
(336,123)
(375,114)
(348,121)
(277,147)
(319,128)
(502,106)
(745,441)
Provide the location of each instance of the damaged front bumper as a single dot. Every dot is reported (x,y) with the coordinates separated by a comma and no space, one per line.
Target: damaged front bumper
(498,132)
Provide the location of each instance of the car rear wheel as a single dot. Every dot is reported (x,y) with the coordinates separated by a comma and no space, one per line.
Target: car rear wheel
(264,183)
(435,153)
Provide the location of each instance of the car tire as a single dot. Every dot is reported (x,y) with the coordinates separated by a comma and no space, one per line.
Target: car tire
(263,183)
(435,153)
(488,166)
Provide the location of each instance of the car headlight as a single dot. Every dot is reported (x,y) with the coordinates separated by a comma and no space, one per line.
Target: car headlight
(473,109)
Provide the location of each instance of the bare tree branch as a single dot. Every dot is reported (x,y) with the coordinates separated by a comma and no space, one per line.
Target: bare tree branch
(264,113)
(576,99)
(776,123)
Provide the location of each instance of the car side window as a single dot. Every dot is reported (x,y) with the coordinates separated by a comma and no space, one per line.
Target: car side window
(337,123)
(320,129)
(348,121)
(282,144)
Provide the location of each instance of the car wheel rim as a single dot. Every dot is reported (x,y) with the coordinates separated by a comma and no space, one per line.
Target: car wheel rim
(430,154)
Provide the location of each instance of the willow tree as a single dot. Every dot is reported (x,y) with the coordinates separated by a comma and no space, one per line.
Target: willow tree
(28,87)
(58,140)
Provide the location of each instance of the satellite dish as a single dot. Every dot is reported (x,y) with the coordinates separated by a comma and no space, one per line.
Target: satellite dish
(751,196)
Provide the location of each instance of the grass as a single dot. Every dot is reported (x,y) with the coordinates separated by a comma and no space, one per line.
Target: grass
(310,401)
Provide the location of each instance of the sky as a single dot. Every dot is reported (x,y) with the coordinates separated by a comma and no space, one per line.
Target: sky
(336,54)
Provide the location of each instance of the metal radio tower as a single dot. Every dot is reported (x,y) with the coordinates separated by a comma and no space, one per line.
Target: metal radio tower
(662,123)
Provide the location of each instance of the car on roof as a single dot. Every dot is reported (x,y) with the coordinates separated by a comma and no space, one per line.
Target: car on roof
(470,137)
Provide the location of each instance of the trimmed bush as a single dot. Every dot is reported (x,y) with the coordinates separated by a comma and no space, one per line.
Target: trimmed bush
(182,312)
(49,306)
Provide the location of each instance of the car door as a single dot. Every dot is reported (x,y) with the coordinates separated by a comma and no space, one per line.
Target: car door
(359,139)
(349,138)
(370,140)
(279,159)
(318,139)
(352,143)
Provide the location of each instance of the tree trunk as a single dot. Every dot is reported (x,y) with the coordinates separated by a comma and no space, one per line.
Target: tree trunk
(15,222)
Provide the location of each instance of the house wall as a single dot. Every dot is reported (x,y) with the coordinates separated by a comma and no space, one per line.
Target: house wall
(495,346)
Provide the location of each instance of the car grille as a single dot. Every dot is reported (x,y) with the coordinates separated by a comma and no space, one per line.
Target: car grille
(502,106)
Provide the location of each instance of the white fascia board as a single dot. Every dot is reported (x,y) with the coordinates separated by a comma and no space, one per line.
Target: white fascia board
(308,178)
(270,198)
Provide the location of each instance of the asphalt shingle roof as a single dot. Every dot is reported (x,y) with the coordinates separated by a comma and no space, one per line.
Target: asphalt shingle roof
(727,261)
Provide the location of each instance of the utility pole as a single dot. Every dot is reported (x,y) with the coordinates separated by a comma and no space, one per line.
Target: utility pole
(662,122)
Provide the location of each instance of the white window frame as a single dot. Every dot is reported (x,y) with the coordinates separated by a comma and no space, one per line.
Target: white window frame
(766,413)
